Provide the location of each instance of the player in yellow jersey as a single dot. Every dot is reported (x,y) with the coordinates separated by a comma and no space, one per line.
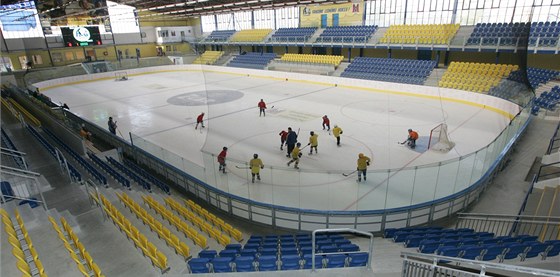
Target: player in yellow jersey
(313,142)
(256,165)
(296,154)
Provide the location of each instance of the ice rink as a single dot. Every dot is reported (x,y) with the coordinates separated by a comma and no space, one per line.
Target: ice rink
(161,107)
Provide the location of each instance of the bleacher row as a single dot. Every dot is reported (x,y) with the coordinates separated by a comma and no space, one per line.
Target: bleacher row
(9,144)
(293,34)
(477,77)
(81,161)
(157,258)
(252,60)
(390,70)
(547,100)
(347,34)
(285,252)
(208,57)
(74,173)
(76,249)
(536,76)
(467,244)
(422,34)
(27,259)
(310,58)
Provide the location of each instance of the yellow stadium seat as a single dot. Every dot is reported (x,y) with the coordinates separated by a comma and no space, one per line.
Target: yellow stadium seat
(40,267)
(83,270)
(24,268)
(96,270)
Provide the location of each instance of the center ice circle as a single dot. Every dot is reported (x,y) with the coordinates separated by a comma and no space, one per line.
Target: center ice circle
(205,97)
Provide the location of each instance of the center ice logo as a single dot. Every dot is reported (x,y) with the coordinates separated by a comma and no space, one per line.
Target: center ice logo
(81,34)
(208,97)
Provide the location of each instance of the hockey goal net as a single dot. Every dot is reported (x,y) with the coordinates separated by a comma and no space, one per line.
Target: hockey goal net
(121,76)
(439,140)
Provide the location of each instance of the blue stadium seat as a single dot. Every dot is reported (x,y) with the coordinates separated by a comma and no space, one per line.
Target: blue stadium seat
(290,262)
(492,252)
(199,265)
(222,264)
(267,263)
(209,254)
(358,259)
(244,264)
(308,261)
(335,261)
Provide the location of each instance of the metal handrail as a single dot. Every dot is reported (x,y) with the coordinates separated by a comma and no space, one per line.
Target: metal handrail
(13,152)
(483,267)
(341,230)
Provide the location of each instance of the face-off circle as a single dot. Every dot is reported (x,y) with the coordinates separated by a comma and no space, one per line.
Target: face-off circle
(205,97)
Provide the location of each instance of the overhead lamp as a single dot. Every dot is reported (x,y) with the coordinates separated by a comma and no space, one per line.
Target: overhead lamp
(228,5)
(252,2)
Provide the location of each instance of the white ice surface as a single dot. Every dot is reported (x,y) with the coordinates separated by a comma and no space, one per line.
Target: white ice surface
(373,123)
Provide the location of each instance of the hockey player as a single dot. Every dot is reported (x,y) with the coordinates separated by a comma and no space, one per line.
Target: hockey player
(313,142)
(199,119)
(283,135)
(363,163)
(291,141)
(411,140)
(296,154)
(326,122)
(222,160)
(256,165)
(262,108)
(337,131)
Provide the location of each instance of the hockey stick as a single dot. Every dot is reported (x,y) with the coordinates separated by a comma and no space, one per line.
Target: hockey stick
(348,174)
(272,107)
(120,133)
(242,167)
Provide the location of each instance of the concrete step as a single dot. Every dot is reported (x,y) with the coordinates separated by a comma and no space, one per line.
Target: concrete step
(533,201)
(545,202)
(435,76)
(340,69)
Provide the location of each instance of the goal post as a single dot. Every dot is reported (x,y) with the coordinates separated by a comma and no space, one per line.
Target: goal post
(439,139)
(121,76)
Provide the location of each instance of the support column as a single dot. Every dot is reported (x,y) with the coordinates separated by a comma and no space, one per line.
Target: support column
(349,54)
(389,53)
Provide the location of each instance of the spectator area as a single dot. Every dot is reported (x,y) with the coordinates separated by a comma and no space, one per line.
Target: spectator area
(421,34)
(497,33)
(222,35)
(252,60)
(251,35)
(390,70)
(310,58)
(293,34)
(536,76)
(347,34)
(208,57)
(476,77)
(544,33)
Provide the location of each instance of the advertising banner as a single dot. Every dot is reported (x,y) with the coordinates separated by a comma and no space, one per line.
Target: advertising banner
(347,14)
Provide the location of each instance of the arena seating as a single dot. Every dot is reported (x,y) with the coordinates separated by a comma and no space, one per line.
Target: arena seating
(347,34)
(252,60)
(9,144)
(156,226)
(100,178)
(491,33)
(251,35)
(140,171)
(280,252)
(536,76)
(546,33)
(149,250)
(74,173)
(547,100)
(477,77)
(421,34)
(130,174)
(18,237)
(208,57)
(390,70)
(467,244)
(216,221)
(310,58)
(76,249)
(110,170)
(176,221)
(222,35)
(293,34)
